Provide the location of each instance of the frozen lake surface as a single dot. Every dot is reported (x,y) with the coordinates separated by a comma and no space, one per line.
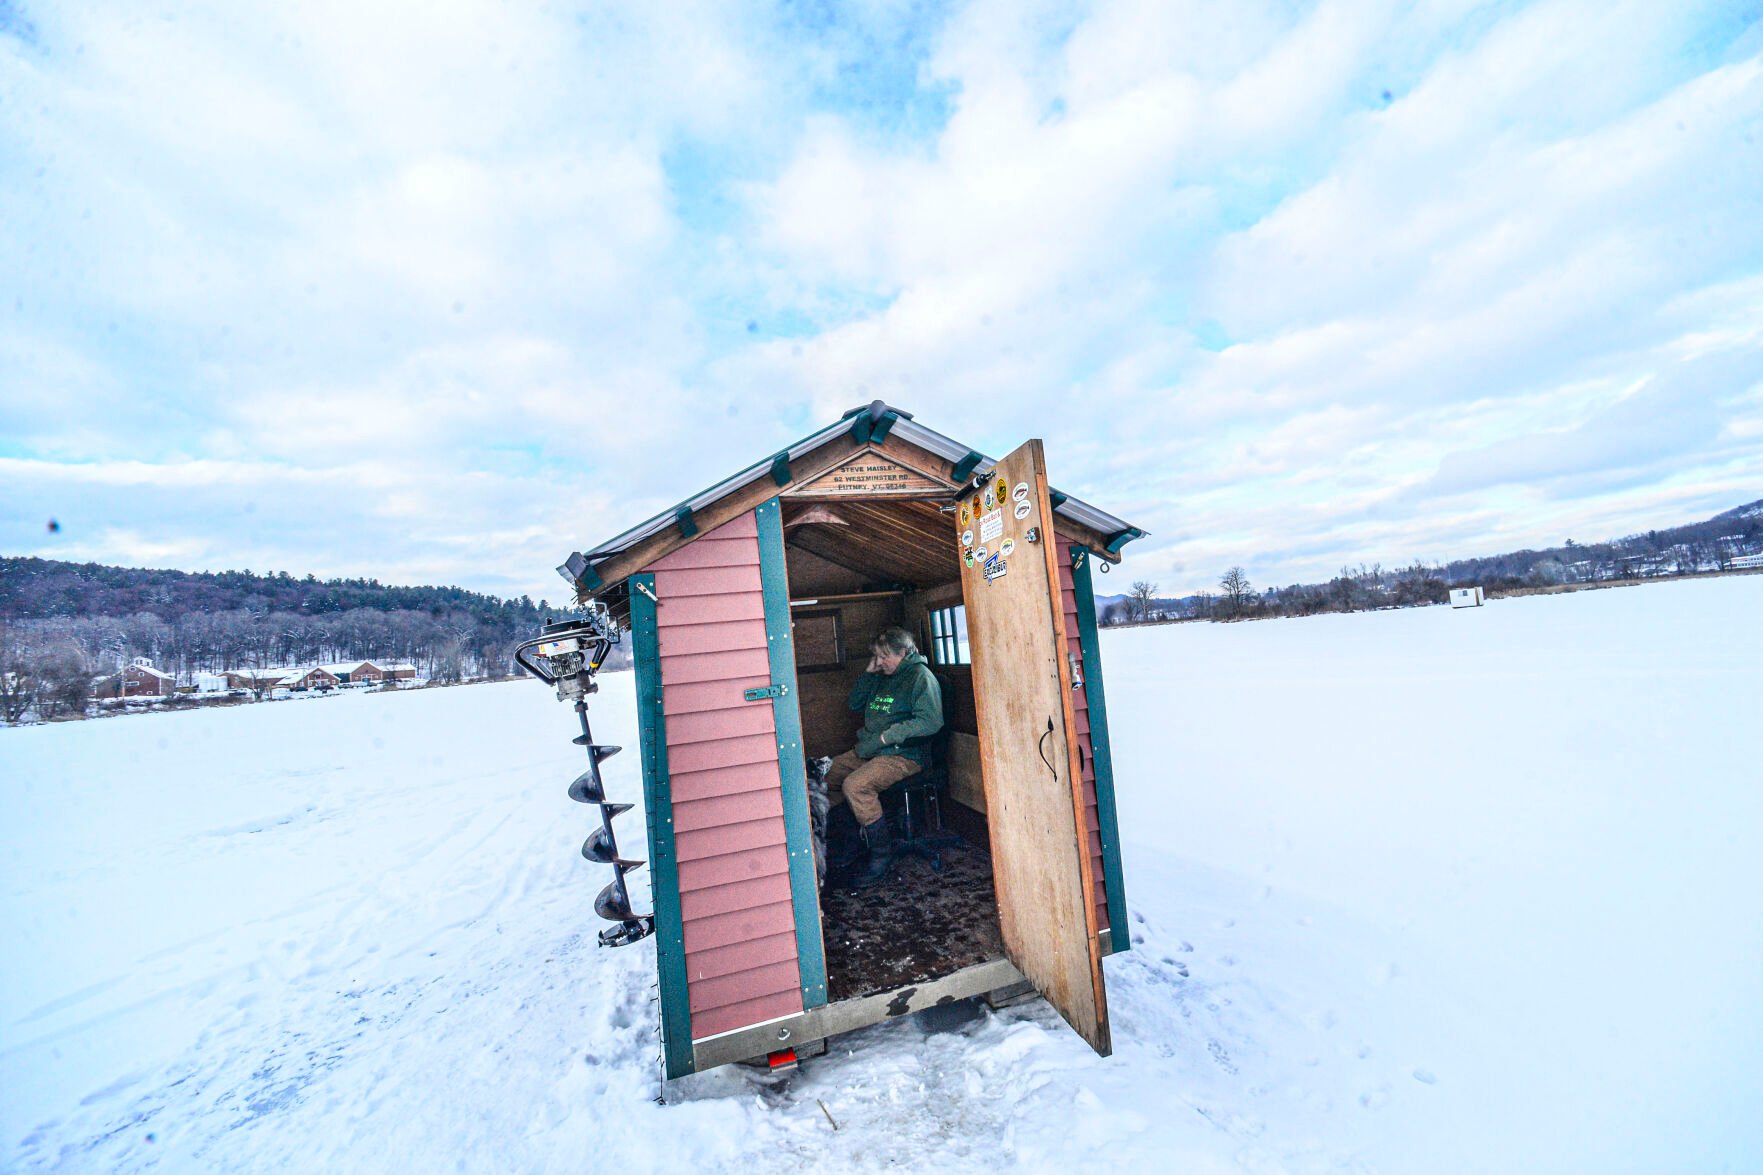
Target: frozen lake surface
(1421,891)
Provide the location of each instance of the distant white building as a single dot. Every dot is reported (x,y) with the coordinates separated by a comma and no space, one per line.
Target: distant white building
(1469,597)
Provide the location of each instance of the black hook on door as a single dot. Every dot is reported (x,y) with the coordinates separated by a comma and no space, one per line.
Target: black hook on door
(1042,748)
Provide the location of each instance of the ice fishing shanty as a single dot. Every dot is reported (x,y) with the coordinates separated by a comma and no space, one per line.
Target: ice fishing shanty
(750,609)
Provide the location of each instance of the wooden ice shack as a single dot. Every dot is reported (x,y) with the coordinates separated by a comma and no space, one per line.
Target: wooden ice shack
(750,609)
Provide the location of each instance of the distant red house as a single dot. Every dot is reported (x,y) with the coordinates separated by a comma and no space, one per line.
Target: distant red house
(254,679)
(139,680)
(307,679)
(400,672)
(355,672)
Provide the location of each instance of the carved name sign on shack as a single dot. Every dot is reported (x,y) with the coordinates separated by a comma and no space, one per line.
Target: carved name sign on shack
(750,610)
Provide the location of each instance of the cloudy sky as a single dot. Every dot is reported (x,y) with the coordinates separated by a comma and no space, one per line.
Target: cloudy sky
(440,292)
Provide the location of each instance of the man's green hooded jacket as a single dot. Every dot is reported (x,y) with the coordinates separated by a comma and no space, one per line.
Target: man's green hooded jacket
(901,711)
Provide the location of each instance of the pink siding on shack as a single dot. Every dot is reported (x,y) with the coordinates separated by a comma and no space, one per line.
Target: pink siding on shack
(728,819)
(1080,703)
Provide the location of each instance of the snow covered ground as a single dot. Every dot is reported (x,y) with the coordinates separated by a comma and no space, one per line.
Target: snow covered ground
(1412,891)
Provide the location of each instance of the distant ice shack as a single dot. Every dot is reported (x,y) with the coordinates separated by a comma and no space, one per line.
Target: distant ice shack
(749,610)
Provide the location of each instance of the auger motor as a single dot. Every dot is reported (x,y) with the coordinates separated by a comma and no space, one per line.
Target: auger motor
(567,654)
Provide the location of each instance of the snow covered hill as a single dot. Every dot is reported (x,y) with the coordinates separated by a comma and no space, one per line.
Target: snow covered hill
(1412,891)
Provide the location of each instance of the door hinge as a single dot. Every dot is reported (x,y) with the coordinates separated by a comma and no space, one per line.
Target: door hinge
(761,693)
(644,588)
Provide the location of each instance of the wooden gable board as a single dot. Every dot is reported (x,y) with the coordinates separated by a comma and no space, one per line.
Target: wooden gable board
(870,473)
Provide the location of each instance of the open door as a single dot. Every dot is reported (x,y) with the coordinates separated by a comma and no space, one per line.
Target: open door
(1033,781)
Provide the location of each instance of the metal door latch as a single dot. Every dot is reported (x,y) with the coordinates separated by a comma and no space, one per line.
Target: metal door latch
(762,692)
(644,588)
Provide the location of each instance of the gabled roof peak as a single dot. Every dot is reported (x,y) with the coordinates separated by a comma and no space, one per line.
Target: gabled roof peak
(870,424)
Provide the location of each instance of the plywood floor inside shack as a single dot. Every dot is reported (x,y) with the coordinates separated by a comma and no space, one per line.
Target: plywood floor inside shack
(922,924)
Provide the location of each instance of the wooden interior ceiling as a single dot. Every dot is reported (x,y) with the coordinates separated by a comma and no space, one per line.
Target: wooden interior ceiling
(898,540)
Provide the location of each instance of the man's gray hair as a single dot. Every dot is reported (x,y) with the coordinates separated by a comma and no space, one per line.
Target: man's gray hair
(895,640)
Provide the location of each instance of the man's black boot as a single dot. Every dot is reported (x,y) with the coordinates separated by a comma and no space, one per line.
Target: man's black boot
(880,839)
(844,844)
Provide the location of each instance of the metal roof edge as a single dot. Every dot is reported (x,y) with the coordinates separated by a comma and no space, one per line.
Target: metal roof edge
(904,427)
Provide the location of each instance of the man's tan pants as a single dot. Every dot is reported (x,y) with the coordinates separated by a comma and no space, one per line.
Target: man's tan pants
(861,781)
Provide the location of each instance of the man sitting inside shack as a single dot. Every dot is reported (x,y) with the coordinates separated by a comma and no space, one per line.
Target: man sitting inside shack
(902,708)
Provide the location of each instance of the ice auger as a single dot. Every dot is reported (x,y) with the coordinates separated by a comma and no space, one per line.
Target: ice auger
(567,654)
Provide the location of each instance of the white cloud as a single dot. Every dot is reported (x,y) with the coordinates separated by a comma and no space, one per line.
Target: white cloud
(427,268)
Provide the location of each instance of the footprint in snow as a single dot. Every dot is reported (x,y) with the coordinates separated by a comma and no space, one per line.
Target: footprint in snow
(1373,1099)
(1221,1056)
(1425,1077)
(1186,947)
(1181,969)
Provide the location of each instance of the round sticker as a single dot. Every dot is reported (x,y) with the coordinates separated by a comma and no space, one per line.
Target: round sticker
(1006,547)
(988,499)
(967,538)
(965,516)
(1020,493)
(980,553)
(1024,509)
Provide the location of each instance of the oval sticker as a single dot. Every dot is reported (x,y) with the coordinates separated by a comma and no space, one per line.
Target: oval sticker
(1024,509)
(967,538)
(981,554)
(1007,547)
(1020,493)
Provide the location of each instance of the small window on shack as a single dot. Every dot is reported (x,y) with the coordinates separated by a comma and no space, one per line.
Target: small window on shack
(948,632)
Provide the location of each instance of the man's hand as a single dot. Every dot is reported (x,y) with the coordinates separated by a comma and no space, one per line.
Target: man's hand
(874,665)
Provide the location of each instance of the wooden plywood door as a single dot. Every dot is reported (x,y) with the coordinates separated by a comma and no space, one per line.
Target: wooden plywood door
(1023,700)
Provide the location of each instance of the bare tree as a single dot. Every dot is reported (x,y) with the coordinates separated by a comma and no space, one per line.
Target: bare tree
(1142,594)
(65,681)
(1237,592)
(18,675)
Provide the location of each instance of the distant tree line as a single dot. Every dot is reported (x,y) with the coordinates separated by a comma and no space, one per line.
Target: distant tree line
(1698,548)
(64,624)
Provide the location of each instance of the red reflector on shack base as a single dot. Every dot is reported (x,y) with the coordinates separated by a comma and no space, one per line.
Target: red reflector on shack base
(781,1061)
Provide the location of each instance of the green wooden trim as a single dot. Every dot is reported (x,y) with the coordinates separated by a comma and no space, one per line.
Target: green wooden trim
(688,525)
(964,468)
(792,766)
(1120,538)
(879,433)
(1057,499)
(670,942)
(1113,878)
(780,468)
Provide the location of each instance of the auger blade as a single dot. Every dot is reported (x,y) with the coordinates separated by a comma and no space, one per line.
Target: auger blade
(627,932)
(599,849)
(588,788)
(612,810)
(600,751)
(613,905)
